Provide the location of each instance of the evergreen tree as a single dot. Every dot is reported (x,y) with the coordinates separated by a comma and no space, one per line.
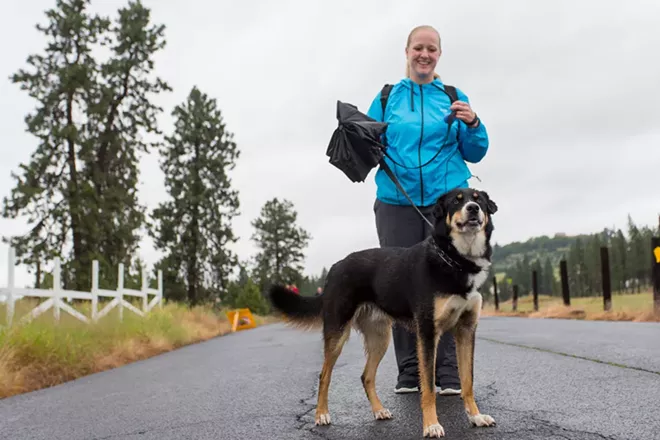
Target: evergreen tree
(536,266)
(78,191)
(618,261)
(50,190)
(281,243)
(120,113)
(548,284)
(638,255)
(194,226)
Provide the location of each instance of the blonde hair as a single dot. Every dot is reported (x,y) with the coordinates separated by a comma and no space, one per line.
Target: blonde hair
(411,34)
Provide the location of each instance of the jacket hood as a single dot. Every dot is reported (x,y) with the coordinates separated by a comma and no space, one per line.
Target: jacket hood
(415,89)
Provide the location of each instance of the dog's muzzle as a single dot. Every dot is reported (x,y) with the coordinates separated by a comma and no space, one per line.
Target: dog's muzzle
(473,215)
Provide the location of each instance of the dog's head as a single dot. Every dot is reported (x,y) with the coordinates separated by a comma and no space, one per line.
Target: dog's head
(464,214)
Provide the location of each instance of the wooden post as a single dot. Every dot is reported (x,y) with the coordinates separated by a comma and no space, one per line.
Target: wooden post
(497,298)
(120,291)
(605,278)
(535,290)
(655,273)
(11,264)
(57,288)
(160,289)
(95,290)
(563,270)
(145,287)
(515,297)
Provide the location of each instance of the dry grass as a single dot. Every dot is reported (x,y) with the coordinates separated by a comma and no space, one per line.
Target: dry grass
(43,353)
(625,307)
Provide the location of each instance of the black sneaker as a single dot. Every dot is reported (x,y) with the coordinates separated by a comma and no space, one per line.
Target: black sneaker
(448,389)
(406,386)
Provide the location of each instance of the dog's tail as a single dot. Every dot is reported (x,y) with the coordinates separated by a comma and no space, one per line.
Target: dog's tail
(300,311)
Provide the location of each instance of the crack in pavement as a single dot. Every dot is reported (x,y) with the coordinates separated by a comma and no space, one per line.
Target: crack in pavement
(145,431)
(575,356)
(547,425)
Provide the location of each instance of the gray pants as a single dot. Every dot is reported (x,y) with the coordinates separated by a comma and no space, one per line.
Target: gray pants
(402,226)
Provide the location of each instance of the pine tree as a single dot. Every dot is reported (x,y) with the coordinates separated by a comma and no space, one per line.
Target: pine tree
(78,191)
(548,278)
(50,191)
(281,243)
(194,226)
(619,261)
(536,266)
(638,254)
(120,113)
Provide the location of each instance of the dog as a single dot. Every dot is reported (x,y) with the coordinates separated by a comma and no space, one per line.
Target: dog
(429,288)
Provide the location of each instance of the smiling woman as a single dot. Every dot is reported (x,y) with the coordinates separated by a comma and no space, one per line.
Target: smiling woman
(423,50)
(432,132)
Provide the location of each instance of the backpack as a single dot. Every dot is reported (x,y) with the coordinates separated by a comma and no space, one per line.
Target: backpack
(385,94)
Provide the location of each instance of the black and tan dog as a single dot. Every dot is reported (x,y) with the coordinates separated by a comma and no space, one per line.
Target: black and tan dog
(431,288)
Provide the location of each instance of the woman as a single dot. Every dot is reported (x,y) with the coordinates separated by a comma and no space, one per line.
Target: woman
(428,162)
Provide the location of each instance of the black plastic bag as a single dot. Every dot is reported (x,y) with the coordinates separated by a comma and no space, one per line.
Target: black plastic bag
(355,146)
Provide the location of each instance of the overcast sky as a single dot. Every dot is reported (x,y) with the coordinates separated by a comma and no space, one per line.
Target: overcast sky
(569,93)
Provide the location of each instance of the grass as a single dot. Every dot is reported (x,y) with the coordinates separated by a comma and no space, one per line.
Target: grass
(44,353)
(625,307)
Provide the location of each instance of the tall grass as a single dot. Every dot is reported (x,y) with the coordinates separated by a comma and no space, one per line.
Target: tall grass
(44,353)
(625,307)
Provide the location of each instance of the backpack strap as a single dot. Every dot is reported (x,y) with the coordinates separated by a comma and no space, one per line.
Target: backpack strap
(384,95)
(387,88)
(451,92)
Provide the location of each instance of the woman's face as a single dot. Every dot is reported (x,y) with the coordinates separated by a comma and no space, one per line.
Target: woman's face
(423,53)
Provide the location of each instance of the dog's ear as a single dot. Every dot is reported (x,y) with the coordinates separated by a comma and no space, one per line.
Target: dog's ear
(439,216)
(439,211)
(490,204)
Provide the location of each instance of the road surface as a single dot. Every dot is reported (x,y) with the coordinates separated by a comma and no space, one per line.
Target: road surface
(539,379)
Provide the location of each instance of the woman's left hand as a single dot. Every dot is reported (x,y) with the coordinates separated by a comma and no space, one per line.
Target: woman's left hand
(464,112)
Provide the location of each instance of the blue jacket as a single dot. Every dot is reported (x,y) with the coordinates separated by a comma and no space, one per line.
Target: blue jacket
(416,131)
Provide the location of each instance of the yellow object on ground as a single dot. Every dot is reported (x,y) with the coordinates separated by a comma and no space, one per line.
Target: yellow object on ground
(241,319)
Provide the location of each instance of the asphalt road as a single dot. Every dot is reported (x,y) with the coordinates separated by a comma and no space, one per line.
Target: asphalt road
(539,379)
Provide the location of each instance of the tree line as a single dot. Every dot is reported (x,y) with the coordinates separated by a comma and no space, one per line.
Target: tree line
(630,262)
(95,87)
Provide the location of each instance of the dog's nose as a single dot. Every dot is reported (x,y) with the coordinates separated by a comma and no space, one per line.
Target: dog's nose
(472,208)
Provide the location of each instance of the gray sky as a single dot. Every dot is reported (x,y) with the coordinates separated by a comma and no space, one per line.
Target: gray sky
(569,93)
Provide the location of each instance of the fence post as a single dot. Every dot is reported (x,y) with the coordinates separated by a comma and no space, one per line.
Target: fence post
(605,277)
(535,290)
(95,289)
(57,288)
(120,291)
(145,286)
(497,298)
(160,289)
(655,273)
(515,297)
(10,285)
(563,270)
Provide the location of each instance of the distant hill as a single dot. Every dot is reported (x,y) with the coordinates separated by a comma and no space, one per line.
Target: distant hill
(505,257)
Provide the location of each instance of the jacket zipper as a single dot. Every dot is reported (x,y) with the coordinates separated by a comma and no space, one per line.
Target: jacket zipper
(419,148)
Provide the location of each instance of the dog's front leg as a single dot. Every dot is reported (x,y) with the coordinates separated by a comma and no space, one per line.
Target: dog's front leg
(427,341)
(465,332)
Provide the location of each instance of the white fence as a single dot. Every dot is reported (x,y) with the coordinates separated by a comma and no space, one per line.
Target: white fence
(56,295)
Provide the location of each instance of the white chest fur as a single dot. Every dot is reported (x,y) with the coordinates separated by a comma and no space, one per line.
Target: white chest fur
(449,310)
(469,245)
(478,279)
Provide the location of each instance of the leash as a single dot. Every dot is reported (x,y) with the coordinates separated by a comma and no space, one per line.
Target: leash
(391,175)
(441,253)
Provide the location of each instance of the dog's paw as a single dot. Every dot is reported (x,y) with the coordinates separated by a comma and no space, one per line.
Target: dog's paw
(322,419)
(383,414)
(434,431)
(482,420)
